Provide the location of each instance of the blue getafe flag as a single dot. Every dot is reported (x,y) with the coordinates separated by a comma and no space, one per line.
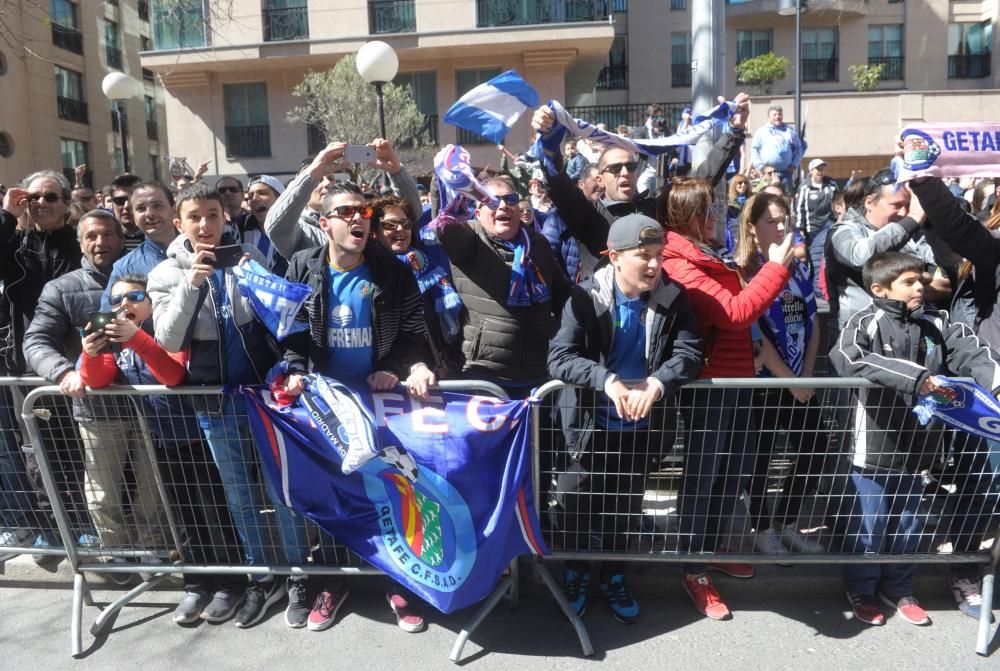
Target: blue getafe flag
(962,405)
(442,509)
(492,109)
(275,300)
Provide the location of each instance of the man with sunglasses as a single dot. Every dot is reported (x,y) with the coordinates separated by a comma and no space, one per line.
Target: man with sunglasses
(889,220)
(232,198)
(367,328)
(121,189)
(589,221)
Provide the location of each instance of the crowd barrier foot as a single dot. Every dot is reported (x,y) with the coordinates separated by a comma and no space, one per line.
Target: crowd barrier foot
(481,614)
(82,596)
(81,593)
(985,630)
(581,631)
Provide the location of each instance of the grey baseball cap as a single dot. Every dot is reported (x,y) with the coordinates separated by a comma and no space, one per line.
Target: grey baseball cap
(633,230)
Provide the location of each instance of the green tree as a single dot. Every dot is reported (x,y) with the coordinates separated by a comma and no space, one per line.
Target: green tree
(866,77)
(341,105)
(760,72)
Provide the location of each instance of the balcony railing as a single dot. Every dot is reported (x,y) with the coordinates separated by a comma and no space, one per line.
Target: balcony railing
(680,75)
(468,137)
(72,110)
(248,141)
(143,7)
(613,77)
(152,130)
(114,56)
(290,23)
(391,16)
(492,13)
(969,66)
(819,69)
(69,39)
(632,115)
(892,66)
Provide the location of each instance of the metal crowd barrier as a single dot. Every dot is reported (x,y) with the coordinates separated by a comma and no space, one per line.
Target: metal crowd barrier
(727,459)
(139,504)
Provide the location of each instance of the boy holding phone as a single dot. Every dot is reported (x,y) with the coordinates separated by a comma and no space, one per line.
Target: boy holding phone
(198,308)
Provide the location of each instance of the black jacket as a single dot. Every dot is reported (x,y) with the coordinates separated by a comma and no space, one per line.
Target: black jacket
(499,341)
(898,349)
(590,222)
(29,259)
(398,329)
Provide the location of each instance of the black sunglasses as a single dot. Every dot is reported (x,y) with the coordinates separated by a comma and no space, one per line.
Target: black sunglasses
(348,211)
(616,168)
(136,296)
(49,197)
(119,200)
(230,189)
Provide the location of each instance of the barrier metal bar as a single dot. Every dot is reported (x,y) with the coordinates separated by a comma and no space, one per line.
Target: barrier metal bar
(112,558)
(774,465)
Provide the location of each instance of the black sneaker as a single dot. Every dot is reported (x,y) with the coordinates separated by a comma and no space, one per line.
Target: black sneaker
(623,604)
(297,612)
(191,606)
(224,603)
(258,598)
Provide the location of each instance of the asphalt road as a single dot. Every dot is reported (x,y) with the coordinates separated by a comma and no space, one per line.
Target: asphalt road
(785,618)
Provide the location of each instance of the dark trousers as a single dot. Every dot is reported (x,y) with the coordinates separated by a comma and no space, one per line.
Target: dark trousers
(720,448)
(882,515)
(16,507)
(601,493)
(777,409)
(977,497)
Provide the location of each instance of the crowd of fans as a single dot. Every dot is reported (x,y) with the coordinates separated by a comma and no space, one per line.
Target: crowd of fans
(626,280)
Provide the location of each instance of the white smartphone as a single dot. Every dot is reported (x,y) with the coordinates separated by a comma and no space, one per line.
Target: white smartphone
(359,153)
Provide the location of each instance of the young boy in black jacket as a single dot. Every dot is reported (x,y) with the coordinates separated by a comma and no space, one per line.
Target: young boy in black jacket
(630,337)
(901,345)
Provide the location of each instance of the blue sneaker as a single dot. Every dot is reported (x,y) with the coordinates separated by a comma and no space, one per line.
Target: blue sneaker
(89,541)
(575,589)
(623,604)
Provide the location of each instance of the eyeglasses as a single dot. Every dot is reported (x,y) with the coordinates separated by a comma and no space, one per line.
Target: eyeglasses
(390,225)
(49,197)
(230,189)
(136,296)
(616,168)
(770,172)
(511,199)
(348,211)
(119,200)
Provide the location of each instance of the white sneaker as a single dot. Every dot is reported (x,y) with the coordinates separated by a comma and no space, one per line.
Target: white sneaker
(769,542)
(799,542)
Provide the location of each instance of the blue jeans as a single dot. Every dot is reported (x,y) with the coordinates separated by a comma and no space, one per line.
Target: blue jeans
(883,516)
(229,439)
(720,450)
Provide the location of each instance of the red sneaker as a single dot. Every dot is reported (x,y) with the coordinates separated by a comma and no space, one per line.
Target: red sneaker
(325,607)
(908,608)
(407,619)
(705,597)
(866,610)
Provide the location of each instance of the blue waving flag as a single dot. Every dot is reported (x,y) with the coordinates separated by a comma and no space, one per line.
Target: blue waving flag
(492,109)
(444,506)
(962,405)
(275,300)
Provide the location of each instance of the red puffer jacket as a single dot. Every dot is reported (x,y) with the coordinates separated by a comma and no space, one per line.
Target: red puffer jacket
(725,308)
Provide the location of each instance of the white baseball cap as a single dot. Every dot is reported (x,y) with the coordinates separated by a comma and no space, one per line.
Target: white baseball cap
(816,163)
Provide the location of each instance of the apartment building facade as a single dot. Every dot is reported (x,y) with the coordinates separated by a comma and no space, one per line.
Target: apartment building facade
(937,57)
(55,114)
(229,79)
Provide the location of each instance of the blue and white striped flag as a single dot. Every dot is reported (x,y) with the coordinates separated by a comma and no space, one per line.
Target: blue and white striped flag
(547,144)
(491,109)
(275,300)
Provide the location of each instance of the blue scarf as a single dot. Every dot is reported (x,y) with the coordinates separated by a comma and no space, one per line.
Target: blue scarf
(526,284)
(434,279)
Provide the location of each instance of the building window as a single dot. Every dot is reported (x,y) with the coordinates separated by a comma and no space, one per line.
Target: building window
(466,80)
(248,132)
(154,167)
(6,145)
(152,130)
(494,13)
(391,16)
(66,26)
(969,50)
(179,24)
(680,60)
(423,86)
(285,20)
(111,47)
(752,43)
(69,95)
(885,48)
(678,5)
(615,73)
(74,153)
(819,54)
(143,8)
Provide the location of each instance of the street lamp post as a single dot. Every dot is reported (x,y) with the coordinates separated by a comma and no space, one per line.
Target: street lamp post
(377,64)
(118,88)
(787,8)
